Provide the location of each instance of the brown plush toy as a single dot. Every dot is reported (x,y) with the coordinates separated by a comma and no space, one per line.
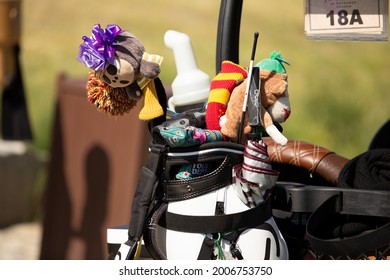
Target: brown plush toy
(122,72)
(275,104)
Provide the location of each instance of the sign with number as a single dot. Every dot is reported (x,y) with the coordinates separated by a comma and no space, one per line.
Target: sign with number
(347,19)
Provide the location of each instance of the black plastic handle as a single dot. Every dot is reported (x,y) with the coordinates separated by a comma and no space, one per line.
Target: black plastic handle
(228,34)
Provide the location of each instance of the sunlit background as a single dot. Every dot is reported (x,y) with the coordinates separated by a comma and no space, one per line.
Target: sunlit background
(339,90)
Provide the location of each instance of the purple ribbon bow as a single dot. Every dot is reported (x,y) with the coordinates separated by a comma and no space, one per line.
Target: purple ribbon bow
(97,50)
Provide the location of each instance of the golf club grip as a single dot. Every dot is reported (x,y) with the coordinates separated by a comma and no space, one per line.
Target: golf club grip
(313,158)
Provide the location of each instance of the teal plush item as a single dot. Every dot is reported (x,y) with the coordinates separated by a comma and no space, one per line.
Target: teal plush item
(188,136)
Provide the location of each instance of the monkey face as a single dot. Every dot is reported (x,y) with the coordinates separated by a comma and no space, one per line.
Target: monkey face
(119,74)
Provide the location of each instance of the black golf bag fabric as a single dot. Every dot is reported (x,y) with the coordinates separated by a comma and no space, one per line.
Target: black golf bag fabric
(347,221)
(355,223)
(156,192)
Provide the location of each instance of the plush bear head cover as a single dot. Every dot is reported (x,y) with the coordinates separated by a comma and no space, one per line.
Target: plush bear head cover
(274,100)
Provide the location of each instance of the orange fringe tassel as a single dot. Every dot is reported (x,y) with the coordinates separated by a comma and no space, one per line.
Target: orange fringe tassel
(113,101)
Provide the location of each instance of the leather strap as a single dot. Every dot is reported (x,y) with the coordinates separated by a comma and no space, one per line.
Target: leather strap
(313,158)
(251,218)
(297,198)
(217,224)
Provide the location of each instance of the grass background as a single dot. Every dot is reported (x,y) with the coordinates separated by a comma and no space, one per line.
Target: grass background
(339,90)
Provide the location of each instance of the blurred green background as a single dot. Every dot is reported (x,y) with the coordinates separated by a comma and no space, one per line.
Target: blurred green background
(339,90)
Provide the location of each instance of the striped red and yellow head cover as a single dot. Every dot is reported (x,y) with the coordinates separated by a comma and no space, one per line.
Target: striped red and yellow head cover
(220,89)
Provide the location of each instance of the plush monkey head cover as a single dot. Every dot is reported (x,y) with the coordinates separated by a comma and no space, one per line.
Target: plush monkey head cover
(122,72)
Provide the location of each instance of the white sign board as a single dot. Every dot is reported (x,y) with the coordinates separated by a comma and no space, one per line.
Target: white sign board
(347,19)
